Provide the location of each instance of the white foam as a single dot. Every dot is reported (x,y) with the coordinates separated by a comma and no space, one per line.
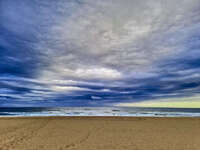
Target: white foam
(101,112)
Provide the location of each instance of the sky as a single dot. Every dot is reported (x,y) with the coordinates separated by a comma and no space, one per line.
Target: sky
(100,53)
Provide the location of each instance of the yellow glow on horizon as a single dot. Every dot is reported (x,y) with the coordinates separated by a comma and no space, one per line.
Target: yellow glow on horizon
(191,102)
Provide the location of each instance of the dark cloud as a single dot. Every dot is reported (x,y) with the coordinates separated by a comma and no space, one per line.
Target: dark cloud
(75,53)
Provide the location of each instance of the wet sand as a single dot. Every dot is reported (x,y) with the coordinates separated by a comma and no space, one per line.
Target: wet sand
(99,133)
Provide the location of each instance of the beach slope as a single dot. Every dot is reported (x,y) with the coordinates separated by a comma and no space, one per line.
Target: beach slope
(99,133)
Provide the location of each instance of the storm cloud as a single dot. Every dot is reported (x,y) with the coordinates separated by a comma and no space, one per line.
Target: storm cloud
(98,53)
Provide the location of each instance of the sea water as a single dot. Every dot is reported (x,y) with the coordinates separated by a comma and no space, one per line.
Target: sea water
(100,111)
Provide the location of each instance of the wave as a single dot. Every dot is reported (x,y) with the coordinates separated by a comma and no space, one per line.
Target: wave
(102,111)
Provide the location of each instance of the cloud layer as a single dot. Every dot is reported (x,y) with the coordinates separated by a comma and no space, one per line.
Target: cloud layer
(97,53)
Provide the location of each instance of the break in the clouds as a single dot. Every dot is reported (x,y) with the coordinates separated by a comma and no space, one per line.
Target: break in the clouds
(98,53)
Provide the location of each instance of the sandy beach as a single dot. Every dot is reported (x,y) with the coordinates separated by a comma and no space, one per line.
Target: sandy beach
(99,133)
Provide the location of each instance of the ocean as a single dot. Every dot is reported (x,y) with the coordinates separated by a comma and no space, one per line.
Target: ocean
(100,111)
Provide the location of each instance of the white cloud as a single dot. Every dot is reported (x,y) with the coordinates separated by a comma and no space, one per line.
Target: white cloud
(116,35)
(61,74)
(115,40)
(66,89)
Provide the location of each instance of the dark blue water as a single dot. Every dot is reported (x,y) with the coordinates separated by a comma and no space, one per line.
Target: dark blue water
(101,111)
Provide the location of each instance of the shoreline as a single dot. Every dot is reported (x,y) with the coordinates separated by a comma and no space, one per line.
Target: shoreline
(102,117)
(6,116)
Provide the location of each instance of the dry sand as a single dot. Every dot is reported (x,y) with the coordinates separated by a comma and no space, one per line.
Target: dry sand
(103,133)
